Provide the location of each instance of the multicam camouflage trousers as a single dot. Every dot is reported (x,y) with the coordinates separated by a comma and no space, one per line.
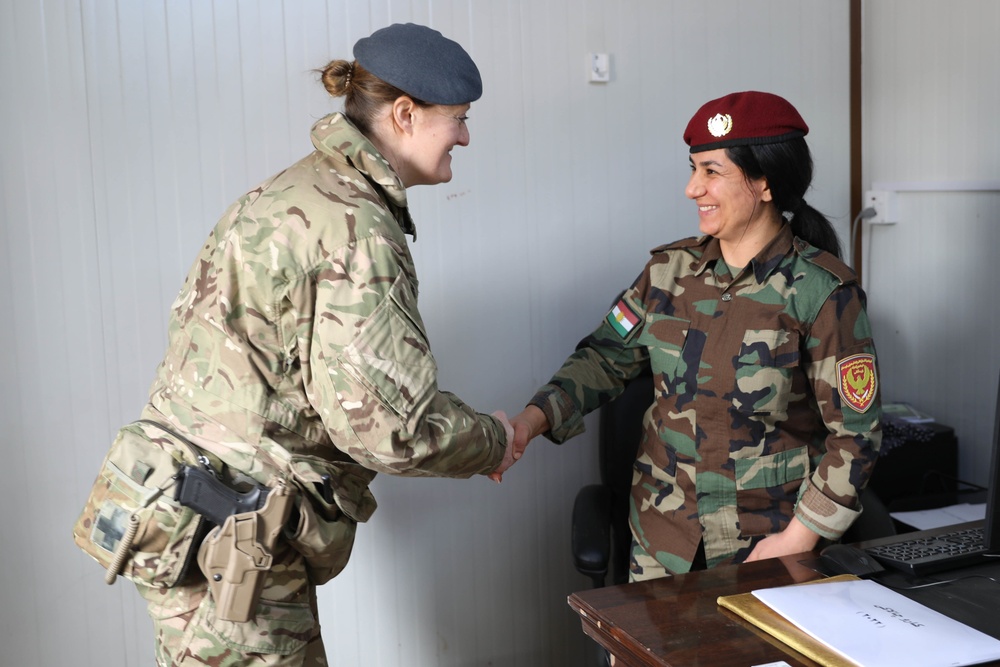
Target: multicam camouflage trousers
(283,633)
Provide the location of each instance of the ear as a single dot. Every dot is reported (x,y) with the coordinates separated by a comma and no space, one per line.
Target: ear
(402,114)
(765,193)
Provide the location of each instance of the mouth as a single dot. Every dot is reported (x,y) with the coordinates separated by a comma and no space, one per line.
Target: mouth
(707,209)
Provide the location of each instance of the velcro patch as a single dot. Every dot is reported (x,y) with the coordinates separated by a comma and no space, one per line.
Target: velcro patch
(140,472)
(110,526)
(858,381)
(622,318)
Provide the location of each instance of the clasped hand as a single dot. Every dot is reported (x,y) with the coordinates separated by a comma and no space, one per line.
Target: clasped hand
(520,430)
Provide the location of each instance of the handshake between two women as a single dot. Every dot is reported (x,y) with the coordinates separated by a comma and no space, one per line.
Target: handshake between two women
(520,429)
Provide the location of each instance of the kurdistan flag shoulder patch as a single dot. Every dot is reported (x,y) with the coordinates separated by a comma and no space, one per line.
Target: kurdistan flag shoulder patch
(622,318)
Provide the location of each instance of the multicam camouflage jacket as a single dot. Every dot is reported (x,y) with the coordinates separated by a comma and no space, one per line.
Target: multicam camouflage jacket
(296,342)
(766,397)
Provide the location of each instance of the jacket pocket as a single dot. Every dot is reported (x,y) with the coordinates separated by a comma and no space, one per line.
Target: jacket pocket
(277,628)
(346,482)
(664,336)
(765,367)
(390,357)
(335,497)
(767,489)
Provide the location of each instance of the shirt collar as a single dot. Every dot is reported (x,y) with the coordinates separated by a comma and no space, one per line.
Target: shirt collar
(771,255)
(711,253)
(763,264)
(338,137)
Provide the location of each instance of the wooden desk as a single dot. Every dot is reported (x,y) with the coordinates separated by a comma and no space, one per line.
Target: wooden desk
(676,621)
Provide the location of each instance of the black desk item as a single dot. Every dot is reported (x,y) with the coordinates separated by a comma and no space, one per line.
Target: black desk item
(961,547)
(925,555)
(847,559)
(915,460)
(970,595)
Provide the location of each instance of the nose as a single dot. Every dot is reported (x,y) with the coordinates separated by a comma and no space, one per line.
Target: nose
(463,135)
(694,188)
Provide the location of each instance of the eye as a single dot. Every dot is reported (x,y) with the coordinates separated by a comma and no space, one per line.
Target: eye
(462,119)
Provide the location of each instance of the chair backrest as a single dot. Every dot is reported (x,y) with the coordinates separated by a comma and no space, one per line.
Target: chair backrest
(875,521)
(619,438)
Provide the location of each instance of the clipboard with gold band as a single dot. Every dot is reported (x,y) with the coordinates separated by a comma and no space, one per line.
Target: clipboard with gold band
(749,608)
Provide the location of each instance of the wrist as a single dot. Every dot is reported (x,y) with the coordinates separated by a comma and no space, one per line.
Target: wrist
(802,534)
(536,420)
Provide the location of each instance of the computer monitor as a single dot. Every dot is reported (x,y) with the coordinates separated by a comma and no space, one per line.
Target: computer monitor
(991,534)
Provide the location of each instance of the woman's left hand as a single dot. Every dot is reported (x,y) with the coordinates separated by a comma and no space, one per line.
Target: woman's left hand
(795,538)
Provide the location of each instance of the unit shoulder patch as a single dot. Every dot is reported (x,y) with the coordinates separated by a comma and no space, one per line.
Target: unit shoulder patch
(857,381)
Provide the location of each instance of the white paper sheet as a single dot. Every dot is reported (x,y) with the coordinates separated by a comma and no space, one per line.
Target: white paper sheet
(944,516)
(874,626)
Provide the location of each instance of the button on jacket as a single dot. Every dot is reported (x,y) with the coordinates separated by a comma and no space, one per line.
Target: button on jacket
(748,424)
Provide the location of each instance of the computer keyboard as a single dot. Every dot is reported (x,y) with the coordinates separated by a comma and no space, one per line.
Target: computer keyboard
(932,554)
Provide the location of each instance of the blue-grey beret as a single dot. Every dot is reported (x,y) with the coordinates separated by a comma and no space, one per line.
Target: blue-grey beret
(421,62)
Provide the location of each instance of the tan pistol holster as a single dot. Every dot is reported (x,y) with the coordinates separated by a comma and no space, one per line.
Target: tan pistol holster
(236,556)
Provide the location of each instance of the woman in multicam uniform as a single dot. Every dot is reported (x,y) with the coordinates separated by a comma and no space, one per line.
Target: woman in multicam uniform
(296,347)
(765,416)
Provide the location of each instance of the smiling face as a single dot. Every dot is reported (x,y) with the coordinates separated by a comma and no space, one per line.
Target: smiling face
(434,132)
(730,206)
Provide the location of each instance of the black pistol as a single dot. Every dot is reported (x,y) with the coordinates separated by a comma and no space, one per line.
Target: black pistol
(207,495)
(237,553)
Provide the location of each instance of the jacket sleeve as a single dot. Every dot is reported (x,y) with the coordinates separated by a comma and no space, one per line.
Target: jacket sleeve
(373,379)
(843,373)
(597,372)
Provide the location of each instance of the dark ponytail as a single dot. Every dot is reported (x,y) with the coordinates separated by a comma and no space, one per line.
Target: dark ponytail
(788,167)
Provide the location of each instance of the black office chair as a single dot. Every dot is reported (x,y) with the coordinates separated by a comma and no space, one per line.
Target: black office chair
(874,522)
(600,534)
(601,539)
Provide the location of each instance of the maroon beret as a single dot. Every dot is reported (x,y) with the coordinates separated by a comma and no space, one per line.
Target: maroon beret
(743,119)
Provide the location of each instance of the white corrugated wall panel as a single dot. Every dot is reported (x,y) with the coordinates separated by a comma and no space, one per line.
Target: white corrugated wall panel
(127,128)
(931,85)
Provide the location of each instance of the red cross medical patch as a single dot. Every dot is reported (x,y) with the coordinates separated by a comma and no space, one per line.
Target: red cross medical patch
(858,382)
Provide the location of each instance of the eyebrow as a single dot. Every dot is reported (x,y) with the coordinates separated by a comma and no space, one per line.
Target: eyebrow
(706,163)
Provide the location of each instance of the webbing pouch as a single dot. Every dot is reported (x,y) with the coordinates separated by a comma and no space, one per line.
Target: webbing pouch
(131,523)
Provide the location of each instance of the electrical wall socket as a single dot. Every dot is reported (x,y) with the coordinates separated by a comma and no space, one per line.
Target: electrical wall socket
(599,67)
(884,203)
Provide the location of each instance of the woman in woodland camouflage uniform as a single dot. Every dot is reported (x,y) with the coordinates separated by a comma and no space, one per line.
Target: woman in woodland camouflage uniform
(765,416)
(296,348)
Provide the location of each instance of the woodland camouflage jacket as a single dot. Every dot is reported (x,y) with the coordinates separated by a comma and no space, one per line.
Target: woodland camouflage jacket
(766,396)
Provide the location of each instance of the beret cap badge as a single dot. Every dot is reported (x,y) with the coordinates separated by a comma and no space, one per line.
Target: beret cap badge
(720,124)
(764,118)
